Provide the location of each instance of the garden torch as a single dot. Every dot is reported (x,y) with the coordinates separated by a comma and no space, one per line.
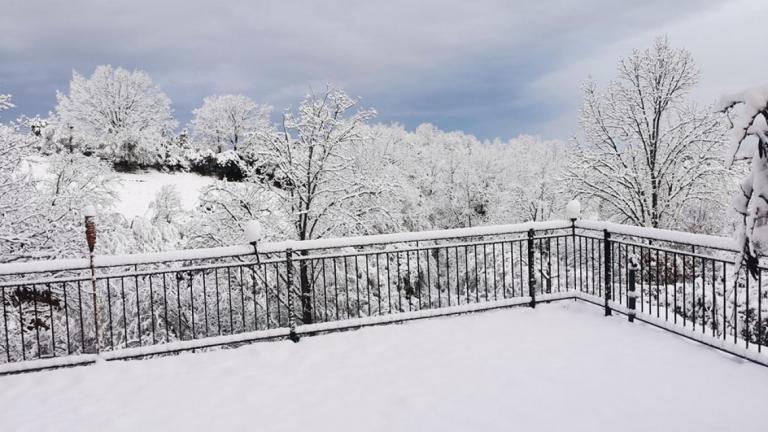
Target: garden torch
(89,212)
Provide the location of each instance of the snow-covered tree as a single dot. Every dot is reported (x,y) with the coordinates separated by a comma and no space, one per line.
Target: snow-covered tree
(225,122)
(19,218)
(313,171)
(533,186)
(748,112)
(647,153)
(118,114)
(5,102)
(224,208)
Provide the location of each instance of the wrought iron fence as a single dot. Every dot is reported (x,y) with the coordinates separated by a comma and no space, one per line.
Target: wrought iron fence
(158,301)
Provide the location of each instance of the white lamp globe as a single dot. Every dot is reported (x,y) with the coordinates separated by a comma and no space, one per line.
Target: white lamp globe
(573,209)
(89,211)
(253,231)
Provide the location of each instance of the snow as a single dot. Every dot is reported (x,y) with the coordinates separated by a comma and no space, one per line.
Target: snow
(745,122)
(557,367)
(139,189)
(239,250)
(703,240)
(688,330)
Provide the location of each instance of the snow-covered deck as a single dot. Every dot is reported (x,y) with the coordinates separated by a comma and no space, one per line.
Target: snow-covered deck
(562,366)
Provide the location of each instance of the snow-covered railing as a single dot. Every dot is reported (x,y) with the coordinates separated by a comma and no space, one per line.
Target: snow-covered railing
(272,247)
(670,236)
(154,303)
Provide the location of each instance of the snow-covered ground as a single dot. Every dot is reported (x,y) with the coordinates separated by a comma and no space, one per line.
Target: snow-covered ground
(138,190)
(560,367)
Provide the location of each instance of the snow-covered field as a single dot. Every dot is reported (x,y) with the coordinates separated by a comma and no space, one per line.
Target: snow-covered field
(560,367)
(137,190)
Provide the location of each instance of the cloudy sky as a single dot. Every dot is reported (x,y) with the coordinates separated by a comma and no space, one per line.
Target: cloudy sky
(492,68)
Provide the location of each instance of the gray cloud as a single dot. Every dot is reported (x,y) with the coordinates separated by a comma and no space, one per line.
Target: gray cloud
(493,68)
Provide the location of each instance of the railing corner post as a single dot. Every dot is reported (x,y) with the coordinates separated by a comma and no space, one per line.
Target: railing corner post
(289,284)
(607,267)
(531,270)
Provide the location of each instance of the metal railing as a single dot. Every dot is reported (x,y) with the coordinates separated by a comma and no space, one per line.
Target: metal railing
(156,303)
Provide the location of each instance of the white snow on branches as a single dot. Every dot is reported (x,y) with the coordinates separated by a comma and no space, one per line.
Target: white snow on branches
(748,111)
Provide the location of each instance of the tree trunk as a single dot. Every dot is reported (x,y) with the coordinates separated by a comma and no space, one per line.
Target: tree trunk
(306,289)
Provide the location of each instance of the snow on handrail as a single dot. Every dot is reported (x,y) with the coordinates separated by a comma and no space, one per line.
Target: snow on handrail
(241,250)
(703,240)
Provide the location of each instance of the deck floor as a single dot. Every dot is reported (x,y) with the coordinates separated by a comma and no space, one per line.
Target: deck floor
(560,367)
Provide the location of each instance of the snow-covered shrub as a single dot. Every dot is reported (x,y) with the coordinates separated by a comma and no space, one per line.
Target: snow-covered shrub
(226,165)
(224,208)
(750,112)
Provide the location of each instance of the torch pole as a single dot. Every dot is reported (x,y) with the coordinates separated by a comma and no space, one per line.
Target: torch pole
(90,235)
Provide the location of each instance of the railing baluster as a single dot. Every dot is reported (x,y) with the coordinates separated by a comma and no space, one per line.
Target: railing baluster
(485,274)
(389,285)
(504,272)
(607,267)
(125,310)
(21,323)
(109,312)
(179,332)
(458,284)
(495,276)
(242,303)
(437,277)
(368,282)
(346,285)
(229,299)
(466,273)
(408,285)
(746,309)
(760,329)
(325,290)
(165,303)
(205,300)
(152,310)
(80,312)
(191,305)
(448,276)
(255,302)
(378,282)
(138,304)
(5,326)
(429,280)
(666,285)
(714,302)
(66,316)
(531,270)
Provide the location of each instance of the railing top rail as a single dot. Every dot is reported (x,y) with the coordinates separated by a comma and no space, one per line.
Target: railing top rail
(702,240)
(274,247)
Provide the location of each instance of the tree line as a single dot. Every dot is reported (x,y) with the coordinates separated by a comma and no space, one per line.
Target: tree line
(645,155)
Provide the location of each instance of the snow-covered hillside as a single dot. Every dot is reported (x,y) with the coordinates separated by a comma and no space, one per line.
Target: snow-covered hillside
(137,190)
(556,368)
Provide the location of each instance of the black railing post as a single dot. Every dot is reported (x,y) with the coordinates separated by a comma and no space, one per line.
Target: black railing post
(531,270)
(289,284)
(573,238)
(607,264)
(634,265)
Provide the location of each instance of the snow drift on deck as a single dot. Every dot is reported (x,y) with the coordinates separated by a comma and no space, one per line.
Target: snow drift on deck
(558,367)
